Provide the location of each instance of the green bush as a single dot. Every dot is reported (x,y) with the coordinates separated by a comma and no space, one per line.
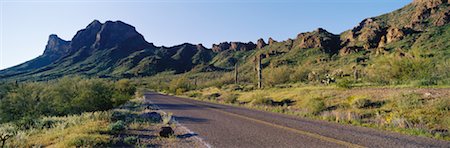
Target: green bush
(344,83)
(194,94)
(65,96)
(278,75)
(125,86)
(442,105)
(314,105)
(87,140)
(179,85)
(117,127)
(132,140)
(229,98)
(409,101)
(260,99)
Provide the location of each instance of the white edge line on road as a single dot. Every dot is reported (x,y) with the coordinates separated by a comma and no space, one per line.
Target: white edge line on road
(180,125)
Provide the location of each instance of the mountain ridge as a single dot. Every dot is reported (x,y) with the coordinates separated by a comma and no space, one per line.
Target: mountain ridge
(116,49)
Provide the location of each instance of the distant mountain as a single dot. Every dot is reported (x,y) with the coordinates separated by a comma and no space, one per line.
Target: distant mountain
(112,49)
(116,49)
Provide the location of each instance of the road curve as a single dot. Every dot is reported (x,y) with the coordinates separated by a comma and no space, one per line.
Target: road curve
(231,126)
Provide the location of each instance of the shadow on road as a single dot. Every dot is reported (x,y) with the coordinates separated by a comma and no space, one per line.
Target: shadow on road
(188,135)
(177,106)
(190,119)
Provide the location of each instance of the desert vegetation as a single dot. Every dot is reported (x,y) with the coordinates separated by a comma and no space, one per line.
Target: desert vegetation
(38,113)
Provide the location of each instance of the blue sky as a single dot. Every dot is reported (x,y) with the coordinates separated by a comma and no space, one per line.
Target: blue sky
(26,24)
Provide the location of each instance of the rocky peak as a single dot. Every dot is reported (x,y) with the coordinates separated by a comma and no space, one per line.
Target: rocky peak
(319,38)
(260,43)
(86,37)
(114,33)
(271,41)
(236,46)
(56,46)
(221,46)
(200,47)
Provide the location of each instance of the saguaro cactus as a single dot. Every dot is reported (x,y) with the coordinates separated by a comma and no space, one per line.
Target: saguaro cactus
(259,70)
(236,73)
(355,73)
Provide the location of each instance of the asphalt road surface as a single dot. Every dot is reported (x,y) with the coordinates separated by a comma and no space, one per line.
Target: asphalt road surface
(230,126)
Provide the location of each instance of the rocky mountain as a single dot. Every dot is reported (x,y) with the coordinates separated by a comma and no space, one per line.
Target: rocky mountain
(116,49)
(110,49)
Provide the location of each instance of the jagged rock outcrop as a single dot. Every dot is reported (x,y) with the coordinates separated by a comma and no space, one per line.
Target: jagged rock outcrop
(236,46)
(366,35)
(429,11)
(221,47)
(430,3)
(260,43)
(319,38)
(239,46)
(271,41)
(395,34)
(56,46)
(442,18)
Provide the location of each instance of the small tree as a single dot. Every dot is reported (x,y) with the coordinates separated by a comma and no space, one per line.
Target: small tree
(7,131)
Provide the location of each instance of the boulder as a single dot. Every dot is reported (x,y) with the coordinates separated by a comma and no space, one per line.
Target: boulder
(166,132)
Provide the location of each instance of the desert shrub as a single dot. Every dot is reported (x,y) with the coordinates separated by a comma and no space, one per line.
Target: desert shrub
(426,82)
(65,96)
(344,83)
(7,131)
(117,127)
(260,99)
(131,140)
(442,105)
(278,75)
(125,86)
(194,94)
(121,115)
(229,97)
(179,85)
(409,101)
(360,103)
(300,74)
(87,140)
(93,96)
(446,121)
(389,69)
(314,105)
(120,98)
(212,96)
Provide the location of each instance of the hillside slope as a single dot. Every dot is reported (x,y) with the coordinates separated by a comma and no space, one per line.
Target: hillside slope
(116,49)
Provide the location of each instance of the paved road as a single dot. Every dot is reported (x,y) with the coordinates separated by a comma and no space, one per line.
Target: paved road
(230,126)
